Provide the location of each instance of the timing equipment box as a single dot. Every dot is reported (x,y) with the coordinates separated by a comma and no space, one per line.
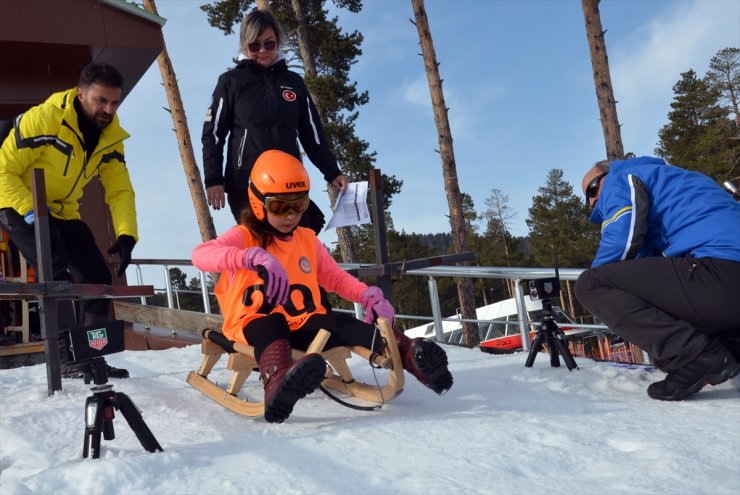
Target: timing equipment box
(544,288)
(93,341)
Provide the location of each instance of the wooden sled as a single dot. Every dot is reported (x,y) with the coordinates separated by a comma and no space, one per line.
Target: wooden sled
(338,374)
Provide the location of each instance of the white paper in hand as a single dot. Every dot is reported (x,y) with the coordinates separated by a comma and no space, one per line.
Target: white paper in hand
(351,206)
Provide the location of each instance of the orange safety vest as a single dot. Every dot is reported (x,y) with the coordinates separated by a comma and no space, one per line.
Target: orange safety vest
(240,294)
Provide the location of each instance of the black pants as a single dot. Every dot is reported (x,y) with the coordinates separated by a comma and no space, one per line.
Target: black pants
(74,253)
(670,307)
(313,218)
(345,331)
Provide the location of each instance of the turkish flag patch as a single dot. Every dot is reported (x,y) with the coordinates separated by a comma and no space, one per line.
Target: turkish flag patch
(288,95)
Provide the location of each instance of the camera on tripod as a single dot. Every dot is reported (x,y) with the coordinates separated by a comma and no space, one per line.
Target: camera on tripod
(548,331)
(544,288)
(85,346)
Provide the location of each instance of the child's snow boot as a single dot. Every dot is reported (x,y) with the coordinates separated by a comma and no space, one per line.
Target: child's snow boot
(425,360)
(285,383)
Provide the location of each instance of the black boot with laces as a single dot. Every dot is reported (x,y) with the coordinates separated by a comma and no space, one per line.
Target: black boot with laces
(713,366)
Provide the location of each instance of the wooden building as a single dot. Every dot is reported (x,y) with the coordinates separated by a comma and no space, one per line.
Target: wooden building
(45,44)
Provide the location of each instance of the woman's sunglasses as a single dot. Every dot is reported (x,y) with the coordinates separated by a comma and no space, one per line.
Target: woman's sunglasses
(593,187)
(268,45)
(284,207)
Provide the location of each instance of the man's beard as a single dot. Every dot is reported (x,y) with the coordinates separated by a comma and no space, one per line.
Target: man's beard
(98,119)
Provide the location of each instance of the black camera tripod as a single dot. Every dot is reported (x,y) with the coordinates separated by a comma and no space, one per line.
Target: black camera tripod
(99,413)
(550,332)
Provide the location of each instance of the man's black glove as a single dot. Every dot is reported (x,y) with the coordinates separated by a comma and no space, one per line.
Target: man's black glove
(123,246)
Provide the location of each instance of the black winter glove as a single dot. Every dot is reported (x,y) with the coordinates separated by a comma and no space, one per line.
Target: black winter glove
(123,246)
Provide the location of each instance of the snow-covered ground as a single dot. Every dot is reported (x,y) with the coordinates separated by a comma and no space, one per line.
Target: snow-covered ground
(502,428)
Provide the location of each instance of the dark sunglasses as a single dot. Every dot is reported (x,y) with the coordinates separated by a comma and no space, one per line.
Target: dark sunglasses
(284,207)
(268,45)
(593,187)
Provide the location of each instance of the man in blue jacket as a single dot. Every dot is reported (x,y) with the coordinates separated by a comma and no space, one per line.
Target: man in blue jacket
(666,275)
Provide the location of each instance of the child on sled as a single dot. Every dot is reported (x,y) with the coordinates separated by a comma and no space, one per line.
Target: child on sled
(272,292)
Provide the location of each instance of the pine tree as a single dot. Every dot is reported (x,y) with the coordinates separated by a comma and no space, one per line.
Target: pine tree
(497,247)
(724,75)
(699,135)
(498,214)
(559,228)
(410,294)
(558,225)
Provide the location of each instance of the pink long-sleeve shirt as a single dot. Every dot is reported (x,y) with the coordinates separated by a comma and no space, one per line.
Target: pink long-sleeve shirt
(226,254)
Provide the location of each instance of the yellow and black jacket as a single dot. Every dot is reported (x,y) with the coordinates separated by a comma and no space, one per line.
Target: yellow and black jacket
(48,136)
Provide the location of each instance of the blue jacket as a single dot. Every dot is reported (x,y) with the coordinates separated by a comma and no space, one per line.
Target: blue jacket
(649,208)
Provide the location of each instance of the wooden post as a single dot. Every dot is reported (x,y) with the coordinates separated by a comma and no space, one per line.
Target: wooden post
(197,192)
(465,289)
(381,245)
(603,81)
(48,320)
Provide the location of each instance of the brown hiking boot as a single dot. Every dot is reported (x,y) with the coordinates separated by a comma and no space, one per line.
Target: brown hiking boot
(426,360)
(286,383)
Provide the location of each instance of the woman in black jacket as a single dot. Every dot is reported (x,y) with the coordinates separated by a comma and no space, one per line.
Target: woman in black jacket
(257,106)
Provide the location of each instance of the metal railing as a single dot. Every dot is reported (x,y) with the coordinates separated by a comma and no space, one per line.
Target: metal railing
(515,274)
(173,294)
(506,273)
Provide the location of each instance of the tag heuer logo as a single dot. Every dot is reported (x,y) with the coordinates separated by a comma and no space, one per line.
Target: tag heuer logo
(97,339)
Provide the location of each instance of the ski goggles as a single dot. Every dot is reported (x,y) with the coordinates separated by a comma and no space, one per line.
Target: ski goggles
(284,207)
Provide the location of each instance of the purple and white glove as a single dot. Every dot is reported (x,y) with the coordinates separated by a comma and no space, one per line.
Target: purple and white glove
(376,306)
(271,271)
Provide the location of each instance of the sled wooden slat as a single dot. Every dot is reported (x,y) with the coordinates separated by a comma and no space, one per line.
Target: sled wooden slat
(230,402)
(211,354)
(346,384)
(338,377)
(241,363)
(242,366)
(379,360)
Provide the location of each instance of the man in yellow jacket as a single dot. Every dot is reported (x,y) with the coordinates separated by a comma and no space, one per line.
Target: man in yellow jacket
(74,136)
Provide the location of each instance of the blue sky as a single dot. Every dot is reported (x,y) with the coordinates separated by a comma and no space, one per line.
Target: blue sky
(517,79)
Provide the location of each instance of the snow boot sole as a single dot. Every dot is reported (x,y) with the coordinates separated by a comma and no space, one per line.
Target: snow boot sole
(682,393)
(431,360)
(300,381)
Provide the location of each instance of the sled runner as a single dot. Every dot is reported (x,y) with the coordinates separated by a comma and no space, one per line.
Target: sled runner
(339,377)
